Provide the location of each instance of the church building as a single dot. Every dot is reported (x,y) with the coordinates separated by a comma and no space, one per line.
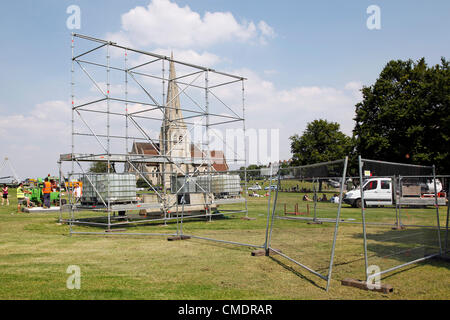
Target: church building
(178,144)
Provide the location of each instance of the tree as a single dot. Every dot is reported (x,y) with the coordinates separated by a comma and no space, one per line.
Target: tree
(321,141)
(253,172)
(405,116)
(99,167)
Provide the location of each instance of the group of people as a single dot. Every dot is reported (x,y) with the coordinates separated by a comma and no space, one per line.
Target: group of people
(334,198)
(22,194)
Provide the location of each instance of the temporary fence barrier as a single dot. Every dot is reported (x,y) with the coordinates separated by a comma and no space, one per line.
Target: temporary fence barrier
(304,226)
(400,215)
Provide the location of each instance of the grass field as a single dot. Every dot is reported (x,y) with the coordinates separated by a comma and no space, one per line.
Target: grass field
(35,252)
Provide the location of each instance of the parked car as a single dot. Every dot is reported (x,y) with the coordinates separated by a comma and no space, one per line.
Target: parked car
(272,187)
(255,187)
(333,183)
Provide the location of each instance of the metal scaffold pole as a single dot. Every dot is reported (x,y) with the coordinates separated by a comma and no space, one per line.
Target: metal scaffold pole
(126,102)
(72,88)
(60,192)
(208,151)
(336,226)
(269,241)
(245,150)
(163,145)
(108,142)
(446,226)
(436,204)
(363,213)
(266,242)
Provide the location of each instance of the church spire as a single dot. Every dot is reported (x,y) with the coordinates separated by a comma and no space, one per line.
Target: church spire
(173,112)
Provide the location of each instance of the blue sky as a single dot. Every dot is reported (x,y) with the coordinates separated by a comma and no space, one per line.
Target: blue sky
(318,50)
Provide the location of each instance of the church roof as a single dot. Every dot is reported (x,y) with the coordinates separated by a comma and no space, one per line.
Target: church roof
(146,148)
(218,161)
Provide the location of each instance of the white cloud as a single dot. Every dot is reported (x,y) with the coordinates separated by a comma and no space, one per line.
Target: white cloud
(165,24)
(353,85)
(269,107)
(203,59)
(266,32)
(35,140)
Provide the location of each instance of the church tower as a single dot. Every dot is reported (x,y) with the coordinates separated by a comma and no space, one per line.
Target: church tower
(174,136)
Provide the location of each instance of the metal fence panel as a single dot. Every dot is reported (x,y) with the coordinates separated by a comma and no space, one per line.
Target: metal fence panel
(235,212)
(400,211)
(306,215)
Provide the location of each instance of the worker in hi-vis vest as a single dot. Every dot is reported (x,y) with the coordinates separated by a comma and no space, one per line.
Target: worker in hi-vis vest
(46,191)
(21,197)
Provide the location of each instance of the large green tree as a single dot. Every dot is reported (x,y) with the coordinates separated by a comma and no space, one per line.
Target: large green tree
(321,141)
(405,115)
(99,167)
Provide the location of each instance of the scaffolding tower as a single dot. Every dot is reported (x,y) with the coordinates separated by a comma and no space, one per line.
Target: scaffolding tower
(107,117)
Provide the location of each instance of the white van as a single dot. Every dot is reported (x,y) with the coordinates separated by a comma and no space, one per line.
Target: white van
(379,192)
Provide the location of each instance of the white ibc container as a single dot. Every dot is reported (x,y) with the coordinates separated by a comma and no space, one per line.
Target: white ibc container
(226,184)
(178,184)
(112,187)
(203,183)
(88,194)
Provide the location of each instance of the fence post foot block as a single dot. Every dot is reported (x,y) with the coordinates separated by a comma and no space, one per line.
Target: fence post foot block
(258,253)
(444,258)
(399,228)
(248,218)
(384,288)
(263,252)
(315,222)
(177,238)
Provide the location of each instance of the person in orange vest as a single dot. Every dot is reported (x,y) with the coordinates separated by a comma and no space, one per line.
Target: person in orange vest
(46,191)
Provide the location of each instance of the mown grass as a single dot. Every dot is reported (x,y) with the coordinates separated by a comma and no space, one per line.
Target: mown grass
(35,251)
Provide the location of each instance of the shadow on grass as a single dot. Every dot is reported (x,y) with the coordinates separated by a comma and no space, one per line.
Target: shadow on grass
(297,273)
(400,271)
(135,220)
(222,245)
(403,246)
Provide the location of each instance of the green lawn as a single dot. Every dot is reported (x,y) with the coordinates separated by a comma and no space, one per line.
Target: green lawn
(35,252)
